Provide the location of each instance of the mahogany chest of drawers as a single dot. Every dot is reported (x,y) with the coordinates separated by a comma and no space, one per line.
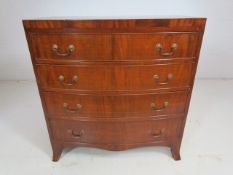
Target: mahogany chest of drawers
(115,84)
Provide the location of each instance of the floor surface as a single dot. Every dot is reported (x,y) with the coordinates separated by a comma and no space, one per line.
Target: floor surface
(207,147)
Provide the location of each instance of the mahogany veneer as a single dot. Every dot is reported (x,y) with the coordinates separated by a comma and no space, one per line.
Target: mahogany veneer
(115,84)
(116,77)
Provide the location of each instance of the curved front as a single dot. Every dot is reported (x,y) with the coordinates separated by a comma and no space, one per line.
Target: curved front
(113,134)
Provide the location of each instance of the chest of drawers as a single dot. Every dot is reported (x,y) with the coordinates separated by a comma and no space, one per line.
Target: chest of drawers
(115,84)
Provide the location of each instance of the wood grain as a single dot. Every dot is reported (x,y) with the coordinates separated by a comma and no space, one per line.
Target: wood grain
(121,132)
(114,77)
(106,47)
(87,47)
(119,73)
(118,106)
(115,26)
(143,46)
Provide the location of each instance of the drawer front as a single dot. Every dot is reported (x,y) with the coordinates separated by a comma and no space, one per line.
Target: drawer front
(93,106)
(107,132)
(116,77)
(97,47)
(71,47)
(155,46)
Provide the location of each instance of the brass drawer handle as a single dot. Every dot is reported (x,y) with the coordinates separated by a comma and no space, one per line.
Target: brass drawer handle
(74,80)
(156,108)
(69,49)
(159,47)
(157,79)
(68,109)
(158,134)
(75,135)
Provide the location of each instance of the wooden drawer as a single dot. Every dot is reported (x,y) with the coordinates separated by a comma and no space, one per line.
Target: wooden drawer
(108,132)
(99,47)
(155,46)
(124,77)
(86,47)
(97,106)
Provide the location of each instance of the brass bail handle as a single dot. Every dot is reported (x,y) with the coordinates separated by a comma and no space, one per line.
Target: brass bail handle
(157,79)
(159,47)
(74,134)
(158,134)
(70,48)
(73,81)
(156,108)
(73,110)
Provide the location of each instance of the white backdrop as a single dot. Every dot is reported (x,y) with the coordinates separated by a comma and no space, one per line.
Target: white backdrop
(217,51)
